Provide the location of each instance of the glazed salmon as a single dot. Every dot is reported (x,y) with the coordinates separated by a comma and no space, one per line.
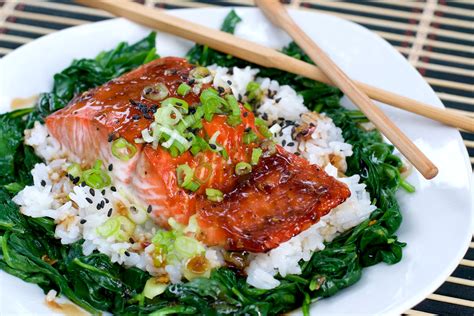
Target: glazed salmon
(281,197)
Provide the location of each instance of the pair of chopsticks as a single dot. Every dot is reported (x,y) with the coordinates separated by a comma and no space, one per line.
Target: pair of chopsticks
(327,72)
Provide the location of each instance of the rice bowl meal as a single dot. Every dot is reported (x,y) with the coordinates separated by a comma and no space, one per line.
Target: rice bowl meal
(200,185)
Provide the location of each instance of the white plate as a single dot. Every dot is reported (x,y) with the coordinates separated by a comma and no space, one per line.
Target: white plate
(437,219)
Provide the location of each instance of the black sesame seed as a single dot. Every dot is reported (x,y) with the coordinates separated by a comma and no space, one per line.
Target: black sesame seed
(98,206)
(239,97)
(103,192)
(89,200)
(291,144)
(229,82)
(127,253)
(154,108)
(191,81)
(283,142)
(192,110)
(133,209)
(245,114)
(111,167)
(111,137)
(102,204)
(265,116)
(43,183)
(83,184)
(247,129)
(136,117)
(83,221)
(147,90)
(220,89)
(70,176)
(92,191)
(149,209)
(212,146)
(148,116)
(113,189)
(106,200)
(278,100)
(109,213)
(297,153)
(76,180)
(130,240)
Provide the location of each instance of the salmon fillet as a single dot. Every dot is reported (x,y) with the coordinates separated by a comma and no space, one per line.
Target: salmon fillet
(282,196)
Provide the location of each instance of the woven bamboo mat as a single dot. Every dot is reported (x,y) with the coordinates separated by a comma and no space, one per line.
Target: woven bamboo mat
(436,36)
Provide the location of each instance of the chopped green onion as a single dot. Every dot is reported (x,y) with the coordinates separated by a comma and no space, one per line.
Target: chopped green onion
(199,72)
(153,288)
(197,266)
(213,142)
(183,89)
(256,153)
(203,172)
(214,195)
(109,228)
(177,103)
(242,168)
(74,170)
(96,177)
(168,115)
(199,144)
(254,93)
(156,92)
(122,149)
(233,104)
(185,176)
(137,215)
(248,106)
(407,186)
(250,137)
(262,128)
(211,102)
(234,120)
(127,227)
(188,247)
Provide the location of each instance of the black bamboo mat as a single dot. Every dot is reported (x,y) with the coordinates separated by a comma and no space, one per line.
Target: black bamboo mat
(436,36)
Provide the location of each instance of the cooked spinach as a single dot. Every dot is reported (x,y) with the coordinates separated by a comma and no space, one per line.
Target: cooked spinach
(29,250)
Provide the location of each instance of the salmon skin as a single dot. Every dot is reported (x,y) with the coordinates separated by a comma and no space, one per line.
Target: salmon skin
(281,197)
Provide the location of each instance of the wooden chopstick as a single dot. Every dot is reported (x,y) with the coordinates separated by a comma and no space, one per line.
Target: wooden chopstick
(277,13)
(265,56)
(257,54)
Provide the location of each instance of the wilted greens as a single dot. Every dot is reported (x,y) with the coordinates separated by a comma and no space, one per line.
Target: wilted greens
(30,251)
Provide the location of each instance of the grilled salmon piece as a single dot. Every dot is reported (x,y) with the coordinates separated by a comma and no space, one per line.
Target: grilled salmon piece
(283,196)
(156,183)
(116,109)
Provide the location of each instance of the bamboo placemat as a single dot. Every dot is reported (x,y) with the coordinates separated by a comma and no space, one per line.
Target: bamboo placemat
(436,36)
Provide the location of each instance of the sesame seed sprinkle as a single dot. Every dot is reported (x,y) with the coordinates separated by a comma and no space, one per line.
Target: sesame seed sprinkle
(114,189)
(83,221)
(43,183)
(88,199)
(109,213)
(111,167)
(92,191)
(149,209)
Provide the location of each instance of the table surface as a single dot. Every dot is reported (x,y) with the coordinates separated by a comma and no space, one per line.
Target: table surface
(436,36)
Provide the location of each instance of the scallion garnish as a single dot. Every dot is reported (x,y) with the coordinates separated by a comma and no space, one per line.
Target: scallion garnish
(156,92)
(185,176)
(168,115)
(199,73)
(242,168)
(256,153)
(262,128)
(122,149)
(180,104)
(96,177)
(183,89)
(214,195)
(250,137)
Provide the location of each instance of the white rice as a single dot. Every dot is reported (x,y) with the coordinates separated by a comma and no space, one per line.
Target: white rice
(53,195)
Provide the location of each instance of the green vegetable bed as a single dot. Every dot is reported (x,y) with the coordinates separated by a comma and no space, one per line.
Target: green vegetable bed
(29,250)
